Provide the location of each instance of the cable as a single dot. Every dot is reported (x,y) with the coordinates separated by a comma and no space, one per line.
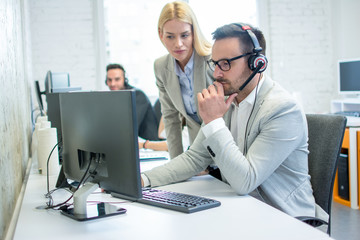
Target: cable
(252,109)
(50,203)
(48,195)
(47,164)
(93,172)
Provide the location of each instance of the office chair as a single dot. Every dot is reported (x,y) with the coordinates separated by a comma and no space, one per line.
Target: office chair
(157,110)
(326,134)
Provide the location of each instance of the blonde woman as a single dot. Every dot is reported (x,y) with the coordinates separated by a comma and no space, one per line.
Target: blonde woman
(182,73)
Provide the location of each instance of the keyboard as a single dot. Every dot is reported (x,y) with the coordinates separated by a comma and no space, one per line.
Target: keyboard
(348,113)
(177,201)
(153,155)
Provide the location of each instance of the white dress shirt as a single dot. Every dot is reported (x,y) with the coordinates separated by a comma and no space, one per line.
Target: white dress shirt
(186,81)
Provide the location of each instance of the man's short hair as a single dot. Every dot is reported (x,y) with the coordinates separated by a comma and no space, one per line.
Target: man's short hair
(246,44)
(115,66)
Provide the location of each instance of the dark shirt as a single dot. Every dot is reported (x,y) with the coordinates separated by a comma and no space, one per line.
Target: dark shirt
(146,118)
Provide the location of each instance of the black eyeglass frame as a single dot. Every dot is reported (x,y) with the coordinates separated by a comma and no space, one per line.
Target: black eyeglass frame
(212,64)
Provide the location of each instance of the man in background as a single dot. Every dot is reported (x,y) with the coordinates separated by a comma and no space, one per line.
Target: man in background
(147,123)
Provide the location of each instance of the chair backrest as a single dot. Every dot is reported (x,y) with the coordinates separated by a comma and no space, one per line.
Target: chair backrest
(157,110)
(326,134)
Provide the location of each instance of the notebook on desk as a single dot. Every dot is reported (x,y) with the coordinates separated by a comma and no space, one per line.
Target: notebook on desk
(149,155)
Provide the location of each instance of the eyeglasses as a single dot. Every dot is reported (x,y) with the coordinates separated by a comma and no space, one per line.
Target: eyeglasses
(224,64)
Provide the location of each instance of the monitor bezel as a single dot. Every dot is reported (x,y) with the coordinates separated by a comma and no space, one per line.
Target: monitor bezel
(39,94)
(130,188)
(346,92)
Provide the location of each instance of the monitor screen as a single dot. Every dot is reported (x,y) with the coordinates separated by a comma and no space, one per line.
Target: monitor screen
(99,132)
(60,80)
(55,80)
(349,76)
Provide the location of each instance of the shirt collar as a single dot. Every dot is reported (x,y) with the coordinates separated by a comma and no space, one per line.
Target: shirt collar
(189,66)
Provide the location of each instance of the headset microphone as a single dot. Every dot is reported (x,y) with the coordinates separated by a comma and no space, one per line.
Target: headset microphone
(257,69)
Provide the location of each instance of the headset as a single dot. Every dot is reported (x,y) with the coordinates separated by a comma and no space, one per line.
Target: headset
(257,62)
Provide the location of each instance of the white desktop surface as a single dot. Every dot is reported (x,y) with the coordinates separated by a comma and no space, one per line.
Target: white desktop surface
(238,217)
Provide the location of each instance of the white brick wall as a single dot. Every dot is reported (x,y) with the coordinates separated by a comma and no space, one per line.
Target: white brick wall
(15,112)
(302,50)
(63,40)
(305,40)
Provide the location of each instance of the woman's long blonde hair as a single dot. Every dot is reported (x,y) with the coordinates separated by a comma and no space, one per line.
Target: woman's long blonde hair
(182,12)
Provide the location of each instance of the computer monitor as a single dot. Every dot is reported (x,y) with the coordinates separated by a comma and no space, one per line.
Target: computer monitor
(53,110)
(54,83)
(55,80)
(54,116)
(100,139)
(39,94)
(349,76)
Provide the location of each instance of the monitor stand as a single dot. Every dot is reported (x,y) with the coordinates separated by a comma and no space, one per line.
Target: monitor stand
(83,212)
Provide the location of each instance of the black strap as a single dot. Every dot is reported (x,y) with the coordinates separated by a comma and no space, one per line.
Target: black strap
(215,172)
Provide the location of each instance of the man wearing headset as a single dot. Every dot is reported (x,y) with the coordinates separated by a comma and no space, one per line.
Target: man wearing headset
(257,136)
(147,123)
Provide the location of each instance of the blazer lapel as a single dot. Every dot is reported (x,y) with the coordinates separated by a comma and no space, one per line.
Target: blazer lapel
(227,116)
(199,74)
(265,88)
(172,85)
(199,77)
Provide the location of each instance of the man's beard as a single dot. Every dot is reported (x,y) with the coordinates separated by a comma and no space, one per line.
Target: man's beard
(228,90)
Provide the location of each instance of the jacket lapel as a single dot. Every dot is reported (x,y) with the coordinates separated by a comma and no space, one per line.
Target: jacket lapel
(200,81)
(199,75)
(265,88)
(172,85)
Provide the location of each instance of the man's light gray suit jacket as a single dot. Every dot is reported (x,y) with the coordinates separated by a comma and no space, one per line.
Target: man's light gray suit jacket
(274,162)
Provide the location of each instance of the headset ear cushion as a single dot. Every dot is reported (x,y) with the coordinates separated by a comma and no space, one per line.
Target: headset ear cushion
(254,61)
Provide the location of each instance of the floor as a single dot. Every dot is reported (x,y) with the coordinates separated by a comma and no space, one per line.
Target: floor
(345,222)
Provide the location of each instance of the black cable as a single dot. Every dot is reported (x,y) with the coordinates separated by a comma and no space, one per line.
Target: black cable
(252,109)
(93,172)
(47,165)
(81,182)
(48,195)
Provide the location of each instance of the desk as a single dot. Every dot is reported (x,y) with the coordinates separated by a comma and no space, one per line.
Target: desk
(353,167)
(353,124)
(238,217)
